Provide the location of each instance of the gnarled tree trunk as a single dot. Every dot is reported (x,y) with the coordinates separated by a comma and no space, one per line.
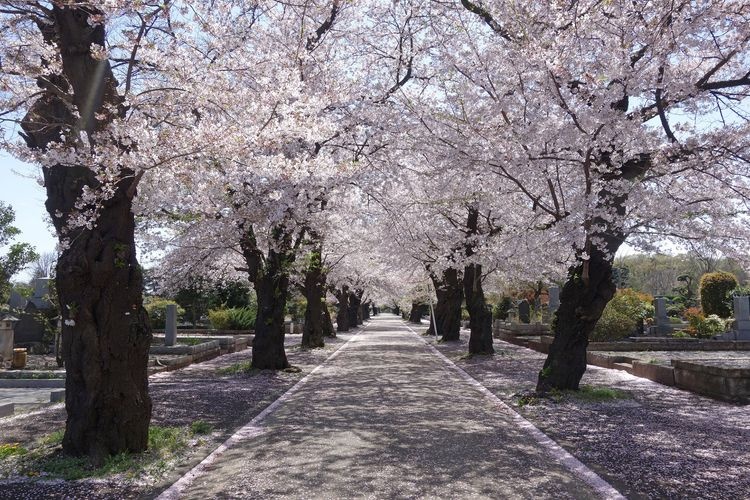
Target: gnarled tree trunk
(313,332)
(328,329)
(272,289)
(355,309)
(342,315)
(270,277)
(105,333)
(588,289)
(480,315)
(450,295)
(581,306)
(415,315)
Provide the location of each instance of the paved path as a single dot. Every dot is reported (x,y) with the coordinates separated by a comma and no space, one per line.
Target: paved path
(387,418)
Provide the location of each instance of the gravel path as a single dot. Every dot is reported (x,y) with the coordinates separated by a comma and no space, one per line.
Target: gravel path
(659,442)
(387,419)
(180,397)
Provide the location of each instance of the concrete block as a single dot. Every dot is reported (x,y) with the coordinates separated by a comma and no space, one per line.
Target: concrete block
(57,396)
(711,379)
(26,383)
(7,409)
(658,373)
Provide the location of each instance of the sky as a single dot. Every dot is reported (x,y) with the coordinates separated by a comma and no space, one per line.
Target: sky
(19,188)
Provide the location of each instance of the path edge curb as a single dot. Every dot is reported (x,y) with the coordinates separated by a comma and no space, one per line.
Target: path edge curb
(247,431)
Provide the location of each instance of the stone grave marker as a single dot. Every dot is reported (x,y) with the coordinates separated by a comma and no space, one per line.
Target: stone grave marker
(661,320)
(742,317)
(524,312)
(554,299)
(170,330)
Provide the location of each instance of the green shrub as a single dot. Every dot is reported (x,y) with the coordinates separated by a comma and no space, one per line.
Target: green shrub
(242,318)
(502,308)
(296,308)
(701,326)
(715,289)
(156,307)
(712,325)
(622,315)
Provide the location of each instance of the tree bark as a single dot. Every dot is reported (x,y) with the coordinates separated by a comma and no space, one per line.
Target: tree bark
(415,315)
(328,329)
(106,334)
(588,289)
(480,315)
(355,309)
(272,289)
(450,295)
(314,288)
(342,316)
(270,277)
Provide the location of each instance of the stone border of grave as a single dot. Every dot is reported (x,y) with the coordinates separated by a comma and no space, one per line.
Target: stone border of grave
(724,383)
(227,344)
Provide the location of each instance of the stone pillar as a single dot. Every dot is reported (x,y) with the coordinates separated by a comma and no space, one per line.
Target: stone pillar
(524,312)
(554,299)
(742,317)
(170,330)
(661,320)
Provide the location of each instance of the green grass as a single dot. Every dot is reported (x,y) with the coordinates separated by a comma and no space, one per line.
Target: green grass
(585,393)
(236,368)
(200,427)
(163,444)
(11,449)
(54,438)
(598,394)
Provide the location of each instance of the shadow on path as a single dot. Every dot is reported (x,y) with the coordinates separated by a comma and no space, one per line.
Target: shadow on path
(387,418)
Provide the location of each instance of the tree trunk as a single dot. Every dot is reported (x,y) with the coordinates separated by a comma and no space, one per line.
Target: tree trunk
(365,311)
(450,295)
(480,315)
(328,329)
(581,306)
(588,289)
(105,333)
(355,309)
(272,288)
(342,316)
(313,332)
(415,315)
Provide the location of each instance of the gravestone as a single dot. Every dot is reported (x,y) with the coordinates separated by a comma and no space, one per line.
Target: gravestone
(554,299)
(170,329)
(16,301)
(7,323)
(524,312)
(661,320)
(742,317)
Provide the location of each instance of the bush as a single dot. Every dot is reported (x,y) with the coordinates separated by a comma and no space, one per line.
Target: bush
(622,315)
(156,307)
(242,318)
(501,309)
(296,308)
(701,326)
(715,289)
